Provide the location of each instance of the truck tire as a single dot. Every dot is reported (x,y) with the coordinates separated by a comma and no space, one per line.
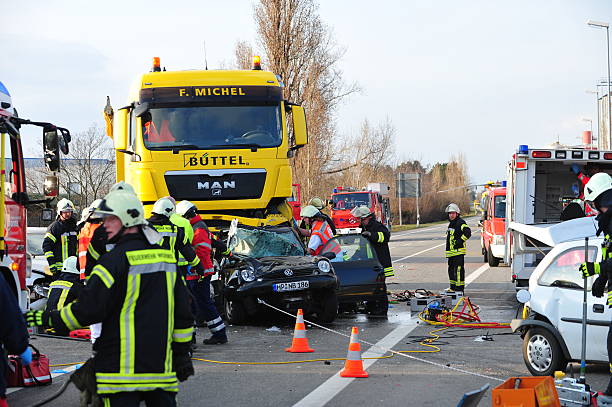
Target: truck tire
(235,312)
(542,353)
(329,308)
(493,261)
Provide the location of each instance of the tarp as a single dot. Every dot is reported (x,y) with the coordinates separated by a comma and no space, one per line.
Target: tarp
(553,234)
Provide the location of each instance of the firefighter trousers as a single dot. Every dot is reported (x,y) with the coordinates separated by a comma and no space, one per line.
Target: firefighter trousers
(154,398)
(456,272)
(206,308)
(609,343)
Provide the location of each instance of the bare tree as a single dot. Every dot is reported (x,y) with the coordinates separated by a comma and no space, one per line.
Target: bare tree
(243,52)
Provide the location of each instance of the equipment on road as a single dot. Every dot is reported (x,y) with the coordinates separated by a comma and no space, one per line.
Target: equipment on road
(526,392)
(299,344)
(353,366)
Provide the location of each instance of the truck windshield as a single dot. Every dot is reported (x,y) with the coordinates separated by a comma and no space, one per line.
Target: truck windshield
(263,243)
(500,206)
(199,128)
(350,201)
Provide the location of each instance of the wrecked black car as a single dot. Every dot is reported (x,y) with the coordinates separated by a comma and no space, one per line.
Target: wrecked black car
(270,263)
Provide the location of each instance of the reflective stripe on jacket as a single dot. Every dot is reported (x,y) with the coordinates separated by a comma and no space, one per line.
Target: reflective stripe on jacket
(321,229)
(60,242)
(63,291)
(457,234)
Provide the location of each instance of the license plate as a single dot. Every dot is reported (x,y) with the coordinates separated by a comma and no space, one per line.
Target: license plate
(292,286)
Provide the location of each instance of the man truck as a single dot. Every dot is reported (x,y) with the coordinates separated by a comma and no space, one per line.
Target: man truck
(222,139)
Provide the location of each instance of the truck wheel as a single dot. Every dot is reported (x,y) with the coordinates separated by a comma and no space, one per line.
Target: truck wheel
(493,261)
(234,311)
(329,308)
(542,353)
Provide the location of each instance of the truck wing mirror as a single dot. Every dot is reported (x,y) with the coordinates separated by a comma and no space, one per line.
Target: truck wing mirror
(47,214)
(120,128)
(51,186)
(51,147)
(300,134)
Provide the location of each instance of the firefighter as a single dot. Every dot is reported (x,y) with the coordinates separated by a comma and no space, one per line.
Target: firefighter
(204,242)
(66,288)
(598,192)
(457,234)
(320,205)
(13,332)
(173,236)
(91,239)
(378,235)
(60,241)
(135,290)
(591,169)
(187,232)
(320,231)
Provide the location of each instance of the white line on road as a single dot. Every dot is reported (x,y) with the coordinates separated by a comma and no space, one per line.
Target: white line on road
(335,384)
(417,253)
(474,275)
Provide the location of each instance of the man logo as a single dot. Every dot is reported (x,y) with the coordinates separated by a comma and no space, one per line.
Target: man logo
(216,192)
(217,185)
(288,272)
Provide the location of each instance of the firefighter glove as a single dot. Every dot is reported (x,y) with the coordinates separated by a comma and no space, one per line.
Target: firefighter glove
(183,366)
(599,286)
(589,269)
(366,234)
(38,318)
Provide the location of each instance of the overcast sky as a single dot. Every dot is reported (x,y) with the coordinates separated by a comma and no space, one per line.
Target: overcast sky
(457,76)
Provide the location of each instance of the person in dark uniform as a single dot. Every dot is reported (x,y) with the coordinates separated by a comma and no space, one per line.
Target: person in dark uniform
(378,235)
(457,234)
(66,288)
(60,241)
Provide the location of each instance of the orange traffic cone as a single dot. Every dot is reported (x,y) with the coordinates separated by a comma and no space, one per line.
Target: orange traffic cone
(353,367)
(300,342)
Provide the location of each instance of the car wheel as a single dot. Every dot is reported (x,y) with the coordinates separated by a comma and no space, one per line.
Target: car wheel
(234,311)
(493,261)
(329,308)
(378,307)
(542,353)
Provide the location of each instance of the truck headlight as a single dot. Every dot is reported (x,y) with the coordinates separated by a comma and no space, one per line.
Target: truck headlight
(499,239)
(324,266)
(247,275)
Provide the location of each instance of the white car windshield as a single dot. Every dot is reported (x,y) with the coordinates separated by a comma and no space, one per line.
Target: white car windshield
(263,243)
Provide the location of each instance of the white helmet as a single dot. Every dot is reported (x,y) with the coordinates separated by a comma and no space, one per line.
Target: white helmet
(70,265)
(164,206)
(597,185)
(452,208)
(65,205)
(309,211)
(6,103)
(123,186)
(361,211)
(183,207)
(87,213)
(317,203)
(124,205)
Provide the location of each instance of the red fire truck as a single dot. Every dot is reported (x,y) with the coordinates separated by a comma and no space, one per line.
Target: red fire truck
(13,202)
(344,199)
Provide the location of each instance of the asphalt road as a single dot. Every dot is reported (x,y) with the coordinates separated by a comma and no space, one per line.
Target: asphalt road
(399,380)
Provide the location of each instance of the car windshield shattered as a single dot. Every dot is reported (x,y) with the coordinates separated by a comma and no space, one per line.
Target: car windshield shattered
(263,243)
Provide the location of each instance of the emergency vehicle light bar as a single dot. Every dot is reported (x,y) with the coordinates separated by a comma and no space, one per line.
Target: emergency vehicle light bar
(541,154)
(593,155)
(156,65)
(560,154)
(607,156)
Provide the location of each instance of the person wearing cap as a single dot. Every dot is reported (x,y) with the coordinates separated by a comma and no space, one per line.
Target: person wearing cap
(457,233)
(60,241)
(320,205)
(320,231)
(378,235)
(66,288)
(204,243)
(598,192)
(136,291)
(174,238)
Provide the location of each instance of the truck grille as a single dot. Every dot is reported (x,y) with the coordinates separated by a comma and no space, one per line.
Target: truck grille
(211,185)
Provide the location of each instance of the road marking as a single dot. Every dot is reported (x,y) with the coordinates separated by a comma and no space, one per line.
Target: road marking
(417,253)
(474,275)
(335,384)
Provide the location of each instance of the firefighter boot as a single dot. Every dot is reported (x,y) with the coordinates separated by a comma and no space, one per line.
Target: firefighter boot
(218,338)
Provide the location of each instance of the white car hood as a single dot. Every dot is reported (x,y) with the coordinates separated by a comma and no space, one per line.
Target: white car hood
(553,234)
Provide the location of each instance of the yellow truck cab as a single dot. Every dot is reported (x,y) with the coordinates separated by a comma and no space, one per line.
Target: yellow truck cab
(218,138)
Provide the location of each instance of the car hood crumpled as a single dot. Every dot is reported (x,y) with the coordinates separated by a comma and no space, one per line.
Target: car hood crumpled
(553,234)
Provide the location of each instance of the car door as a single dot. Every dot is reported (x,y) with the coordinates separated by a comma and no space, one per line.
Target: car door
(564,284)
(357,268)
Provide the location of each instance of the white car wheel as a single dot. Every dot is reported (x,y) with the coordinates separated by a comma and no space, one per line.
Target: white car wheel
(539,353)
(542,353)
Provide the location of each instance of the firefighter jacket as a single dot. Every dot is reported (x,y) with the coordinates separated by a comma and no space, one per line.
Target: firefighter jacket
(457,234)
(63,291)
(92,244)
(13,330)
(60,242)
(379,237)
(188,233)
(204,242)
(136,292)
(174,240)
(329,221)
(322,230)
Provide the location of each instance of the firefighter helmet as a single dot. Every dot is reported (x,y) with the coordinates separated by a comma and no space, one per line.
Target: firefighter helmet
(183,207)
(317,203)
(452,208)
(309,211)
(87,213)
(361,212)
(65,205)
(597,185)
(70,265)
(124,205)
(6,103)
(123,186)
(164,206)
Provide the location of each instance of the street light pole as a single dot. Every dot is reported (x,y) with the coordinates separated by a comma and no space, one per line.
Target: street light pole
(596,93)
(607,27)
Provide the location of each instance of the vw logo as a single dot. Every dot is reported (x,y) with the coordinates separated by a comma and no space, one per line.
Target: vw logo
(288,272)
